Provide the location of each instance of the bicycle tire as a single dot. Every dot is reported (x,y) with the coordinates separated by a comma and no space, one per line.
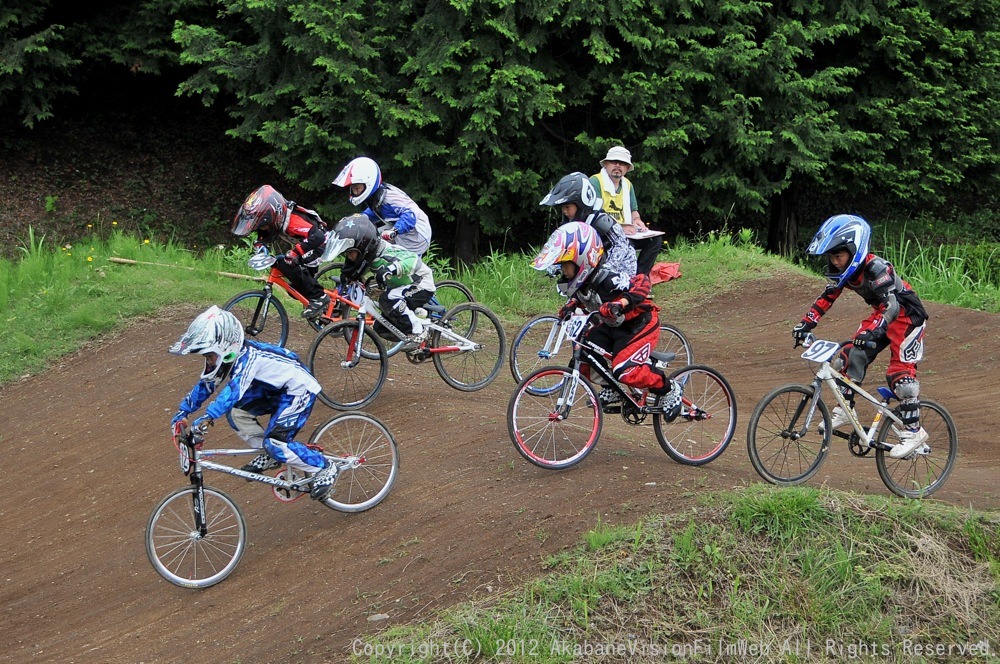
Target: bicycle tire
(325,270)
(354,386)
(180,554)
(920,475)
(672,340)
(248,308)
(773,454)
(538,434)
(707,421)
(470,370)
(375,454)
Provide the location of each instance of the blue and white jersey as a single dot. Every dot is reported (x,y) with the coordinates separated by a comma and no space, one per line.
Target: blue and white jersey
(403,214)
(262,370)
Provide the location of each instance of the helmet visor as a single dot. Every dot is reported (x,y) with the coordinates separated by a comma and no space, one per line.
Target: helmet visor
(244,224)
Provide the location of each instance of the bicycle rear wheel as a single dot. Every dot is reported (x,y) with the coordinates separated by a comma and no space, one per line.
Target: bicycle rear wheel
(925,470)
(469,370)
(554,427)
(349,379)
(181,554)
(778,450)
(263,318)
(368,457)
(672,340)
(707,421)
(530,349)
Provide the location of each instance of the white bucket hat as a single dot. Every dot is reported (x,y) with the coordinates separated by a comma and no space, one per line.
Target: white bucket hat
(619,153)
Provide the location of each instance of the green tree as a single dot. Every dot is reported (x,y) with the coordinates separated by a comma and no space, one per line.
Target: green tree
(732,109)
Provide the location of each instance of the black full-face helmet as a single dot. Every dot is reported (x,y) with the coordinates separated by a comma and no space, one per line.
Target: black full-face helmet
(355,231)
(575,188)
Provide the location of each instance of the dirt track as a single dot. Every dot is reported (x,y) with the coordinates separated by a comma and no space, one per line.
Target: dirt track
(89,456)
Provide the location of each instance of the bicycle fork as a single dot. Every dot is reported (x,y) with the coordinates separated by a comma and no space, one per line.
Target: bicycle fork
(198,503)
(256,325)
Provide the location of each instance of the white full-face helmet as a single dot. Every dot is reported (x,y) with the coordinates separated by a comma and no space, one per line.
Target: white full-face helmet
(362,170)
(213,331)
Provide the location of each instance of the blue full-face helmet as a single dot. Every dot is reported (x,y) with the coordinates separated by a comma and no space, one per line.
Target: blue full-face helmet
(842,231)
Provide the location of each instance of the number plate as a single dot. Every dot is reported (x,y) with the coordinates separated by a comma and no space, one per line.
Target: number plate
(821,351)
(185,460)
(576,324)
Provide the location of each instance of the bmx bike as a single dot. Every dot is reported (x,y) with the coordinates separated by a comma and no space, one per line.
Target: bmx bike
(197,534)
(466,344)
(265,318)
(785,449)
(555,415)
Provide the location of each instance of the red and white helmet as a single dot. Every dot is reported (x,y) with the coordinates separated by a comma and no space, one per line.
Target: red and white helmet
(360,171)
(574,242)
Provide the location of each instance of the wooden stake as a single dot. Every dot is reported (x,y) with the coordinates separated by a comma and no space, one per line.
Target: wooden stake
(231,275)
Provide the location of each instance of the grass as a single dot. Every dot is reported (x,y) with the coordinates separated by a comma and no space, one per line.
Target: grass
(55,299)
(762,574)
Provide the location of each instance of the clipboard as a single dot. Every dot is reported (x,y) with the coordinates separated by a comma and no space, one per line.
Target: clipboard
(642,235)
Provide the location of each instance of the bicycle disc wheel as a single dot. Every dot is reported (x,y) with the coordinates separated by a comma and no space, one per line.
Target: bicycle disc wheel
(553,428)
(778,451)
(469,370)
(184,557)
(531,348)
(672,340)
(924,471)
(349,379)
(707,420)
(368,458)
(263,319)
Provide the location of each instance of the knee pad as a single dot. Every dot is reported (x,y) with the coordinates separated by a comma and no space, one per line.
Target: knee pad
(907,388)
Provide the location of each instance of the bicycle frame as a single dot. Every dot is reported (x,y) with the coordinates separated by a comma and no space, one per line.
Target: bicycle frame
(820,352)
(585,350)
(369,313)
(337,300)
(194,460)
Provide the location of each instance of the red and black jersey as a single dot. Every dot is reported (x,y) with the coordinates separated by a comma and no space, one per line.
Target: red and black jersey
(879,286)
(304,229)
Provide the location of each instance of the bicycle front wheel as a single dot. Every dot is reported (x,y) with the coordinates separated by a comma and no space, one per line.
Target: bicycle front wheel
(473,369)
(532,349)
(672,340)
(263,316)
(707,421)
(779,450)
(350,370)
(926,469)
(180,553)
(554,427)
(367,455)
